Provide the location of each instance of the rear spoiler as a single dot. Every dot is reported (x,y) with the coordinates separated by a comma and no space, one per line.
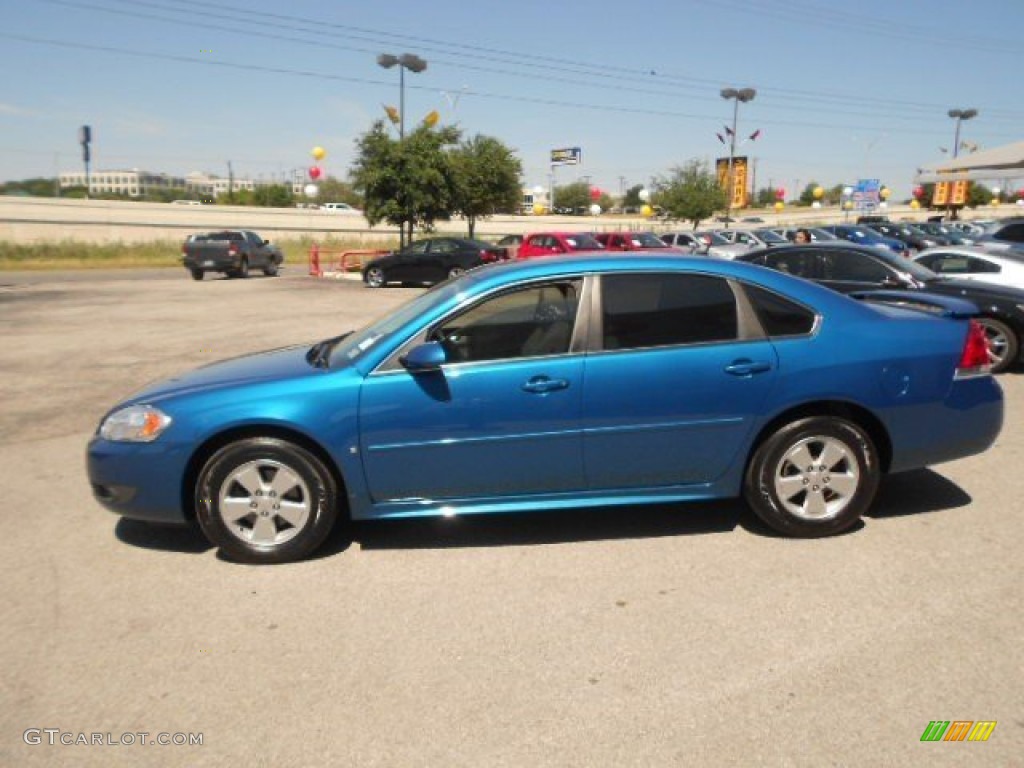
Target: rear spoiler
(944,306)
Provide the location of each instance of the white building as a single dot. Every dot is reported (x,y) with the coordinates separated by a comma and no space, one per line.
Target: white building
(133,183)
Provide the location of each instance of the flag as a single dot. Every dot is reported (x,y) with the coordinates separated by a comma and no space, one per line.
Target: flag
(393,115)
(728,130)
(755,134)
(720,138)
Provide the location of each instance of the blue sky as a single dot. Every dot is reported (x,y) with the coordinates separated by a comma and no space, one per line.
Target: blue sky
(845,90)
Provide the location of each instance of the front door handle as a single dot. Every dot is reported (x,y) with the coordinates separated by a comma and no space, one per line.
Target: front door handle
(542,384)
(747,367)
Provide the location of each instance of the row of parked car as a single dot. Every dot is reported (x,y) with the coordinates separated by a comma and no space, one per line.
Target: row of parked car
(982,265)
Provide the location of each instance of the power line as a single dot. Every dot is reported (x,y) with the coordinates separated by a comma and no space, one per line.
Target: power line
(604,108)
(602,73)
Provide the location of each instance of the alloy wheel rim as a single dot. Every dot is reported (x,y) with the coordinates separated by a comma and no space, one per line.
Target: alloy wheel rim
(264,502)
(817,478)
(375,277)
(997,343)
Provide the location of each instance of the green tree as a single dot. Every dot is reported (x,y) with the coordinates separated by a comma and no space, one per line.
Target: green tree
(765,197)
(273,196)
(978,194)
(807,196)
(690,192)
(632,197)
(573,196)
(36,187)
(333,190)
(406,183)
(488,179)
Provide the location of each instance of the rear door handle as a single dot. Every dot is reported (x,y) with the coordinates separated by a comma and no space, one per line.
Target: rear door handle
(747,367)
(542,384)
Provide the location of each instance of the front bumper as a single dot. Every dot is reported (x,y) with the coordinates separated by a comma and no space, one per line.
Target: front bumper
(142,481)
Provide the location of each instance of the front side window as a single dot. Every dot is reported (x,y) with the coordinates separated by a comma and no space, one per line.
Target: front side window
(655,310)
(799,263)
(528,322)
(854,267)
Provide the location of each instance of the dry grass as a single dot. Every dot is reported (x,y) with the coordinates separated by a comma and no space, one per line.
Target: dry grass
(69,254)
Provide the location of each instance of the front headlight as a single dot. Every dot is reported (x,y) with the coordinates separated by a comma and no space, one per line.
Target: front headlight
(135,424)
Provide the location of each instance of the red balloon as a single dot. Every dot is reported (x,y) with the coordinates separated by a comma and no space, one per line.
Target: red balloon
(918,191)
(780,194)
(1020,192)
(595,194)
(314,172)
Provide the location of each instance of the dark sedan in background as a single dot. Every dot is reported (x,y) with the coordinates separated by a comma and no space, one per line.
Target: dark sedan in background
(430,261)
(849,268)
(915,238)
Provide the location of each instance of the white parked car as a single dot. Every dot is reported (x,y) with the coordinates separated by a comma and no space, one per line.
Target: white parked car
(340,208)
(974,263)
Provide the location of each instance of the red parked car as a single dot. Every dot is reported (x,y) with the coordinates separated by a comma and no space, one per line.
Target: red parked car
(635,241)
(555,243)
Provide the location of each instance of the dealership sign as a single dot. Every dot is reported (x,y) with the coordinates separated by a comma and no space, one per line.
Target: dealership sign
(567,156)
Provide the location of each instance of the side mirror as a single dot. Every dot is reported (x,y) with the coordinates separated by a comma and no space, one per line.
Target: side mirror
(426,357)
(266,242)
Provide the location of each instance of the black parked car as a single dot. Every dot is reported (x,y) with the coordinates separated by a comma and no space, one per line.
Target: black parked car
(911,235)
(1004,235)
(848,268)
(430,261)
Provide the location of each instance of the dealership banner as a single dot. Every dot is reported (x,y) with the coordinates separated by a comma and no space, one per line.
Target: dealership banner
(740,198)
(567,156)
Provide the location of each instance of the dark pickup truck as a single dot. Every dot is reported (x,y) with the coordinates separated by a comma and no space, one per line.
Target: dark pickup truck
(233,252)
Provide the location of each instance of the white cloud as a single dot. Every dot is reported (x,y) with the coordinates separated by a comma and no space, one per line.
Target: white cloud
(16,111)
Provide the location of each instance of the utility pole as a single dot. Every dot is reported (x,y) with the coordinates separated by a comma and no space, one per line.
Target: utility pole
(231,183)
(753,179)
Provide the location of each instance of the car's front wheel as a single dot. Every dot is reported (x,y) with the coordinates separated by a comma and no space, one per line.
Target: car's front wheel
(455,272)
(1003,344)
(374,277)
(813,477)
(265,500)
(271,269)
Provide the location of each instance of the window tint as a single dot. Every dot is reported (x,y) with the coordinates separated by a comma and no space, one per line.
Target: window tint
(855,267)
(799,263)
(654,310)
(976,265)
(443,246)
(779,316)
(420,247)
(526,323)
(1013,233)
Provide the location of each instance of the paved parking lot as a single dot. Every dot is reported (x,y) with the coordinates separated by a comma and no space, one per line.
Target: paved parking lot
(675,635)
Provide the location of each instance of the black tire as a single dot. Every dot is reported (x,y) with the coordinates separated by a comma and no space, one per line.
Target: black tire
(271,269)
(374,277)
(197,274)
(817,499)
(243,268)
(267,533)
(455,272)
(1003,344)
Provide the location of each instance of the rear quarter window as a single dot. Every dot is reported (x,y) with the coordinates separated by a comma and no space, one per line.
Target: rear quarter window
(778,315)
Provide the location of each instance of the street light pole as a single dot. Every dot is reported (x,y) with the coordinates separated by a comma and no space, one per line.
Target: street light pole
(414,64)
(744,95)
(960,115)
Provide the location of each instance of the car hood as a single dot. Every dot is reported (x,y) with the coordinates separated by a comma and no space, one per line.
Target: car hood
(276,364)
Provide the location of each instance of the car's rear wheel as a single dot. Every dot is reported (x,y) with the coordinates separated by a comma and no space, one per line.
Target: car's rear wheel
(243,268)
(265,500)
(1003,344)
(197,274)
(374,277)
(813,477)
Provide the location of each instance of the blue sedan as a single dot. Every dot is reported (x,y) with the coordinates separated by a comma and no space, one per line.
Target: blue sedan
(869,237)
(559,383)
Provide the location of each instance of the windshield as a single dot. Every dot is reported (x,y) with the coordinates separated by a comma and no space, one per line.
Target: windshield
(583,243)
(770,237)
(713,238)
(647,240)
(352,347)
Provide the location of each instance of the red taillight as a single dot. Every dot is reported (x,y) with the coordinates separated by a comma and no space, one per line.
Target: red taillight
(974,360)
(233,249)
(184,250)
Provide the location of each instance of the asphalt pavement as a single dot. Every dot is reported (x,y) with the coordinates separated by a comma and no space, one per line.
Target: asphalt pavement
(647,636)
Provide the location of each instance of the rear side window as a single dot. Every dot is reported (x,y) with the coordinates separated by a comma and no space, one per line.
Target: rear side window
(779,316)
(799,263)
(657,310)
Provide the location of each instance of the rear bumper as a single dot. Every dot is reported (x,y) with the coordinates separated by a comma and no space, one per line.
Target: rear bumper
(212,263)
(966,423)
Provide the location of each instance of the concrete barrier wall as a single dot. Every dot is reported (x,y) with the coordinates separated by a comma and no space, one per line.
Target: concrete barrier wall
(29,220)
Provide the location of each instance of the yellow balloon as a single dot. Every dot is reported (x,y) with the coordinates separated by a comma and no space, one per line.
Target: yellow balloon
(914,204)
(319,153)
(884,193)
(779,205)
(995,202)
(647,211)
(538,209)
(819,193)
(848,206)
(431,119)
